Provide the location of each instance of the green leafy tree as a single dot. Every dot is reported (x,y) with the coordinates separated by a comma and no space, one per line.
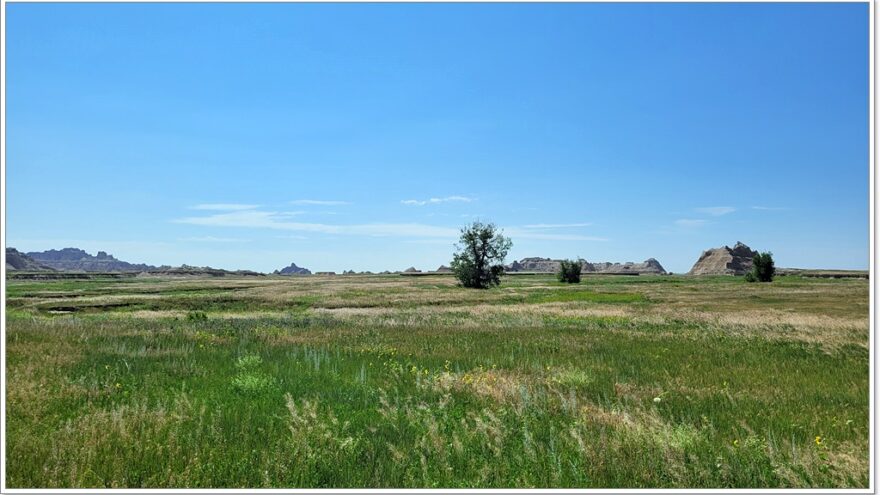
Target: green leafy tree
(480,257)
(569,271)
(763,269)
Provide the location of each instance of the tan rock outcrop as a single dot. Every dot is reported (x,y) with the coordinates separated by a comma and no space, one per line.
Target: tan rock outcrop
(724,261)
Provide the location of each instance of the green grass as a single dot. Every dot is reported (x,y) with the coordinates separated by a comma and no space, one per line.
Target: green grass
(579,296)
(396,382)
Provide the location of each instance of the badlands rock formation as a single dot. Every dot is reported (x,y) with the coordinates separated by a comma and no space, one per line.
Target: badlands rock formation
(725,261)
(547,265)
(533,265)
(649,266)
(72,259)
(294,270)
(16,260)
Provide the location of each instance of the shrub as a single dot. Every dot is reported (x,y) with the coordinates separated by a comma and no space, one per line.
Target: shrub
(248,362)
(569,271)
(196,316)
(480,257)
(250,380)
(763,269)
(253,383)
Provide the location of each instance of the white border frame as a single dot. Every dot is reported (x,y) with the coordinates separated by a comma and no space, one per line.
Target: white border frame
(872,184)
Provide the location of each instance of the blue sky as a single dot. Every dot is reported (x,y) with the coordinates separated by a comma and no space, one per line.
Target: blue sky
(346,136)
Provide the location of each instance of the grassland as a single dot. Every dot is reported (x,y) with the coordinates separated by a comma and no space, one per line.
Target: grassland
(392,381)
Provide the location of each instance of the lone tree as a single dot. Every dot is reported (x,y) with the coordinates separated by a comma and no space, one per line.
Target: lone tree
(763,268)
(480,257)
(569,271)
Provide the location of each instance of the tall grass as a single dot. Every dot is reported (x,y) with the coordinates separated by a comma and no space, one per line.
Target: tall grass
(562,389)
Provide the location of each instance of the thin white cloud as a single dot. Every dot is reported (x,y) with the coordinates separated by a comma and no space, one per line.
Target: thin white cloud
(209,238)
(556,225)
(716,211)
(690,222)
(319,202)
(433,201)
(443,242)
(770,208)
(563,237)
(400,230)
(280,221)
(543,236)
(224,207)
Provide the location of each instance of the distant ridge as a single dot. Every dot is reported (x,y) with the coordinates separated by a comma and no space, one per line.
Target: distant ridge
(547,265)
(293,270)
(16,261)
(73,259)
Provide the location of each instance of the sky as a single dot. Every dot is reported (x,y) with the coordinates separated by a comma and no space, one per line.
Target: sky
(364,136)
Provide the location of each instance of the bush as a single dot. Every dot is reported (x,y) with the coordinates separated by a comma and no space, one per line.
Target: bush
(250,380)
(248,362)
(569,271)
(763,269)
(197,316)
(253,383)
(480,257)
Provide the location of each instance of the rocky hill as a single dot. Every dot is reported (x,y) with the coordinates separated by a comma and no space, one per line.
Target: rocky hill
(293,270)
(16,260)
(533,265)
(724,261)
(72,259)
(199,271)
(547,265)
(649,266)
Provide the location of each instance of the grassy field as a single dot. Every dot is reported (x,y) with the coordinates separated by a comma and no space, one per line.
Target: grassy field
(392,381)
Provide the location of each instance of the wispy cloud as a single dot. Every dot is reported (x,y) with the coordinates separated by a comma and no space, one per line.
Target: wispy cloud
(716,211)
(260,219)
(209,238)
(280,221)
(433,201)
(440,242)
(770,208)
(526,233)
(557,237)
(690,222)
(319,202)
(556,225)
(224,207)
